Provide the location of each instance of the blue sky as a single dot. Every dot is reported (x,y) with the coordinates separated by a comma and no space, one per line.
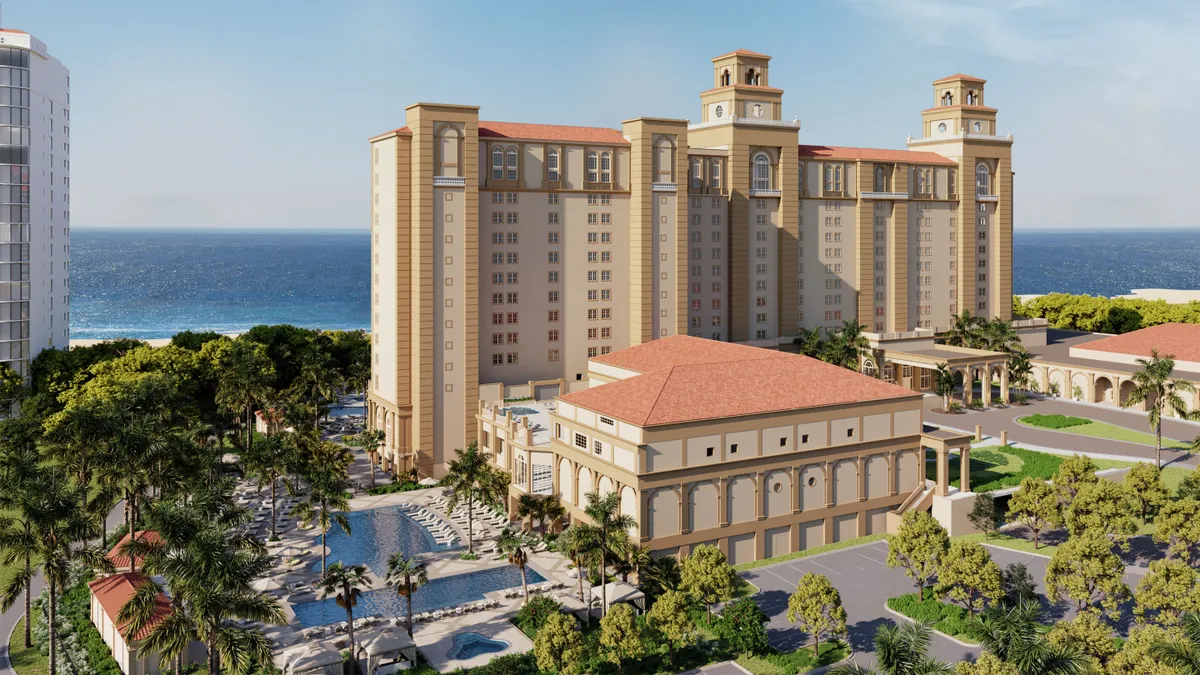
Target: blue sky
(255,113)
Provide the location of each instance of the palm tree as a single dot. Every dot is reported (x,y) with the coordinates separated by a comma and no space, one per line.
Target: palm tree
(552,511)
(1154,386)
(528,506)
(346,584)
(328,484)
(513,544)
(209,570)
(267,460)
(468,477)
(943,383)
(998,335)
(246,379)
(575,543)
(636,557)
(372,440)
(20,470)
(611,531)
(1181,654)
(846,346)
(79,433)
(1019,368)
(406,575)
(59,530)
(1012,634)
(900,650)
(964,330)
(809,342)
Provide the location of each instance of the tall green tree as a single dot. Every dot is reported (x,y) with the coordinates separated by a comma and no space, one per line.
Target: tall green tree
(708,577)
(345,584)
(918,548)
(1181,653)
(809,342)
(817,606)
(1147,493)
(575,542)
(669,620)
(406,575)
(846,346)
(621,637)
(1014,635)
(900,650)
(20,476)
(1085,571)
(267,460)
(468,477)
(1167,591)
(970,576)
(964,330)
(1161,392)
(327,476)
(611,530)
(372,440)
(1035,505)
(1104,507)
(245,375)
(1089,634)
(1178,526)
(943,384)
(1075,472)
(558,646)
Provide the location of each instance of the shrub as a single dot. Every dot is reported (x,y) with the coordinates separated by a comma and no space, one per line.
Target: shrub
(955,407)
(947,618)
(401,486)
(998,401)
(1021,397)
(533,615)
(469,556)
(976,404)
(743,625)
(791,663)
(1054,421)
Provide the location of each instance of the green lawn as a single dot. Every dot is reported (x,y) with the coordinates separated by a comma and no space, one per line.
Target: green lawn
(1007,541)
(1113,432)
(999,466)
(799,661)
(25,661)
(809,552)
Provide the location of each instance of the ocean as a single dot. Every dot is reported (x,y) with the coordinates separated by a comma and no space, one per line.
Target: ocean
(153,284)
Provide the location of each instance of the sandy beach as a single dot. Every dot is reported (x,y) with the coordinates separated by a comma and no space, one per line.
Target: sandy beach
(154,342)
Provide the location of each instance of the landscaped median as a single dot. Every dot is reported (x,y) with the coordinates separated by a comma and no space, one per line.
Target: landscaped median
(945,618)
(1083,426)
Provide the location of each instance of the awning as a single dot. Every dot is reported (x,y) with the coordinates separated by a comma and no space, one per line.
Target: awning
(318,659)
(387,645)
(619,591)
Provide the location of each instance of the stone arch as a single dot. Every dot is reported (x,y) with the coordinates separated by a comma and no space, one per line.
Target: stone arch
(1127,387)
(1104,390)
(702,506)
(812,488)
(877,476)
(909,473)
(585,485)
(605,485)
(777,493)
(629,508)
(845,482)
(566,484)
(1036,380)
(662,513)
(1058,379)
(739,499)
(449,150)
(1080,380)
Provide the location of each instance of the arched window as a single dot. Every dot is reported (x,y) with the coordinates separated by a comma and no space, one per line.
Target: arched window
(762,172)
(868,367)
(605,168)
(800,176)
(837,179)
(715,180)
(497,164)
(697,173)
(751,77)
(828,177)
(511,164)
(725,78)
(592,166)
(971,99)
(982,179)
(920,182)
(947,99)
(552,166)
(879,180)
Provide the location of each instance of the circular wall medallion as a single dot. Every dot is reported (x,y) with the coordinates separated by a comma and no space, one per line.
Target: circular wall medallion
(720,111)
(812,480)
(777,488)
(978,126)
(942,127)
(757,110)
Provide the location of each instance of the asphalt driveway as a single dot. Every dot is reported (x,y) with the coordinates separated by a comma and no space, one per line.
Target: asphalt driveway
(865,582)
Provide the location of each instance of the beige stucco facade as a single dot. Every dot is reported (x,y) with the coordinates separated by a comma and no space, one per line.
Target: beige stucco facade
(506,253)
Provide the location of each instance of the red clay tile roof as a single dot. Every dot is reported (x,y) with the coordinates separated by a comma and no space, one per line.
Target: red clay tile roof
(874,154)
(694,383)
(12,30)
(114,591)
(1179,340)
(119,559)
(551,132)
(960,76)
(742,52)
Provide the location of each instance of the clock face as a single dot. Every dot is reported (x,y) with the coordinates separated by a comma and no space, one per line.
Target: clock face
(720,110)
(978,126)
(942,127)
(757,110)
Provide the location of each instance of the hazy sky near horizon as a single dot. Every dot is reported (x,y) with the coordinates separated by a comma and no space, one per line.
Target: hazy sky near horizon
(256,113)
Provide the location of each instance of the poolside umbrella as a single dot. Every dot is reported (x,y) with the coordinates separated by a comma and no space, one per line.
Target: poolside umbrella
(428,482)
(318,659)
(573,605)
(267,584)
(388,644)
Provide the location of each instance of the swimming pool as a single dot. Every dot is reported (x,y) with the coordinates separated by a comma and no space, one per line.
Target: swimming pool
(375,535)
(520,411)
(470,645)
(438,593)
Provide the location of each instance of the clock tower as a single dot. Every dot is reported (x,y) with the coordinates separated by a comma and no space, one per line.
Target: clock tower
(740,89)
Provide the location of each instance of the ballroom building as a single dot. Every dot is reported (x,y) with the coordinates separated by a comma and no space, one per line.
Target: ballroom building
(506,256)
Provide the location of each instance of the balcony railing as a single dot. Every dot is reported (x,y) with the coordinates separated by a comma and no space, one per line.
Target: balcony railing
(766,193)
(449,181)
(884,195)
(663,187)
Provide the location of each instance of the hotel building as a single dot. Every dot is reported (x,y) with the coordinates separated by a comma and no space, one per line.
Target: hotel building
(35,200)
(508,258)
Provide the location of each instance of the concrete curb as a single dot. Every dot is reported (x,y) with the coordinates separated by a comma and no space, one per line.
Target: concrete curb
(1102,438)
(5,662)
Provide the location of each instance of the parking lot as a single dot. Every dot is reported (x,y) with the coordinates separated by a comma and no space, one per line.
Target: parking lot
(865,582)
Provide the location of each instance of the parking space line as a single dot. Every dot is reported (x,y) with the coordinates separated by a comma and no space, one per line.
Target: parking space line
(826,568)
(777,576)
(867,557)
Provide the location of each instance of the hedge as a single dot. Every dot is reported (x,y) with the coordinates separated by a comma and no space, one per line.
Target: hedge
(947,618)
(1054,421)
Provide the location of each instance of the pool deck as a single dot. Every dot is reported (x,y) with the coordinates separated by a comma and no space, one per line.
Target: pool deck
(434,639)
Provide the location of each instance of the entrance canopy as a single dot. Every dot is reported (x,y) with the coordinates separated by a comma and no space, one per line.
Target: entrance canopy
(911,362)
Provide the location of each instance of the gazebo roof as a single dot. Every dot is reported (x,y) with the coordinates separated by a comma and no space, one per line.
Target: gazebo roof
(316,657)
(386,641)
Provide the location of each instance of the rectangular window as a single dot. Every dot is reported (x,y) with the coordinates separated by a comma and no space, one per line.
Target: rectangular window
(552,296)
(581,441)
(552,198)
(552,218)
(512,237)
(552,238)
(552,277)
(552,316)
(511,197)
(497,197)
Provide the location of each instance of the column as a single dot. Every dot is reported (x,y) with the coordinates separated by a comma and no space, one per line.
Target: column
(964,468)
(860,464)
(892,479)
(722,509)
(968,387)
(828,484)
(685,522)
(943,472)
(1004,383)
(796,487)
(759,496)
(1046,379)
(985,385)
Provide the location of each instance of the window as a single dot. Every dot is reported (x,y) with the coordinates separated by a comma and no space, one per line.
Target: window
(512,317)
(510,164)
(552,336)
(581,441)
(512,298)
(551,218)
(497,167)
(497,258)
(733,448)
(511,358)
(552,355)
(552,198)
(552,277)
(513,338)
(497,359)
(592,166)
(552,257)
(697,174)
(497,277)
(593,352)
(715,181)
(511,278)
(708,452)
(982,179)
(597,447)
(605,167)
(552,166)
(606,237)
(552,296)
(879,179)
(552,238)
(497,338)
(512,258)
(762,172)
(552,316)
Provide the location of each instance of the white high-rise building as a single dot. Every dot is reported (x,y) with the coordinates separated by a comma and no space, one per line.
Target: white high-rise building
(35,200)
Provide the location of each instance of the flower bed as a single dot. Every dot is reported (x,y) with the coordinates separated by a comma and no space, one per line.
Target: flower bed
(1054,421)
